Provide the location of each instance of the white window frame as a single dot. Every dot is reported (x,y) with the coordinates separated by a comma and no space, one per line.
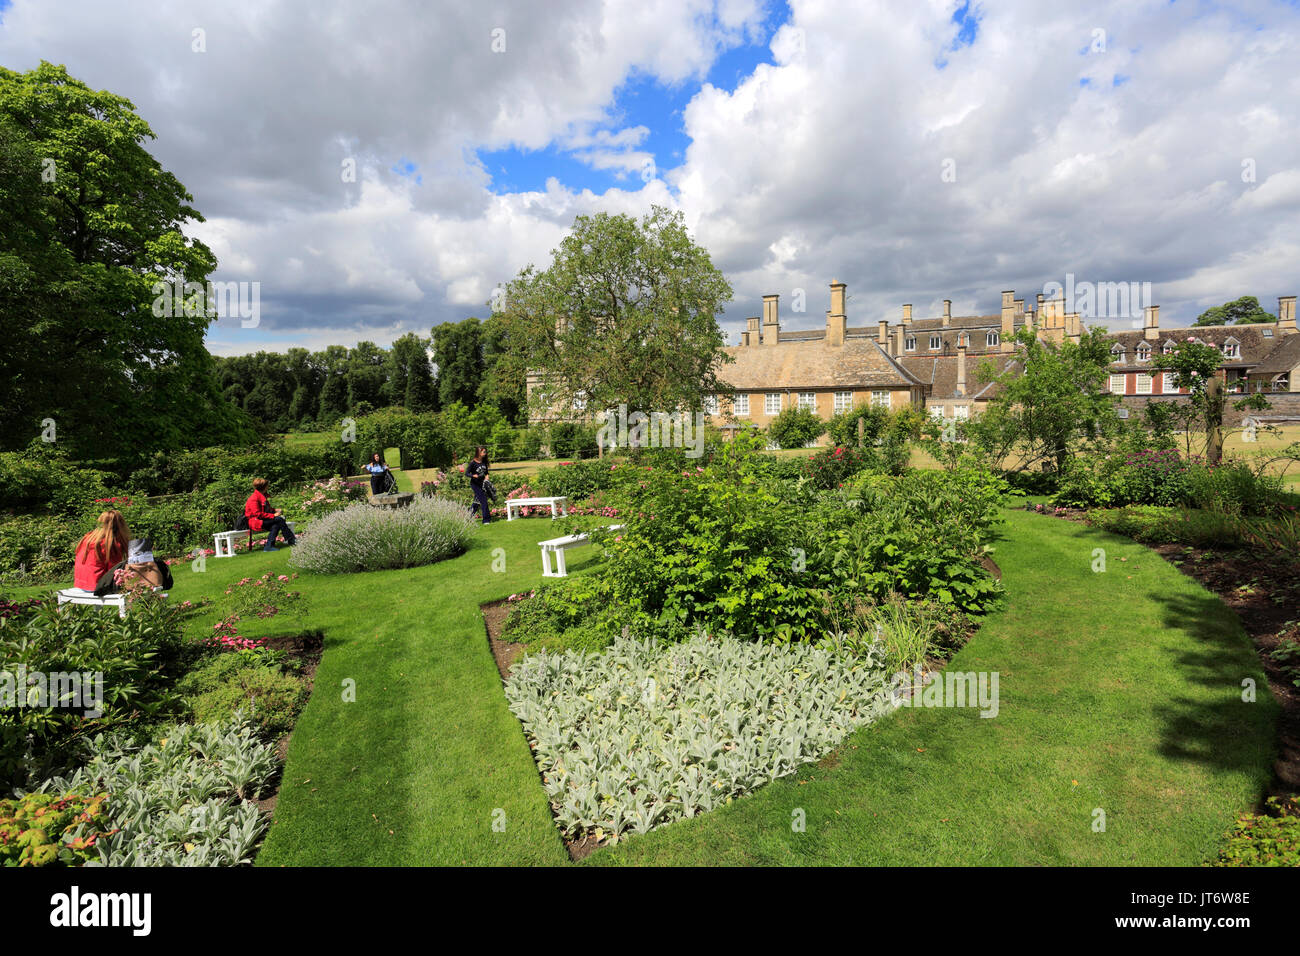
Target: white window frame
(992,338)
(579,402)
(909,343)
(711,404)
(741,404)
(1143,353)
(936,411)
(880,398)
(1118,383)
(1167,386)
(1144,383)
(772,403)
(1231,350)
(960,412)
(936,342)
(843,402)
(808,400)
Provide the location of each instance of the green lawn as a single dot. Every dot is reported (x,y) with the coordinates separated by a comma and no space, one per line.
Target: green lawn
(1119,691)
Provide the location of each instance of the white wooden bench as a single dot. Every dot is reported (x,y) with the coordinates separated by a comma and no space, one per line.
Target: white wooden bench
(79,596)
(225,540)
(557,547)
(559,502)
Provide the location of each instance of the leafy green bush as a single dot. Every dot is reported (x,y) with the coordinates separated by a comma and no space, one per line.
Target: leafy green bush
(560,616)
(1151,524)
(365,538)
(138,657)
(843,428)
(185,797)
(831,467)
(42,829)
(41,479)
(1267,839)
(581,479)
(796,428)
(572,440)
(646,734)
(1163,477)
(37,549)
(229,684)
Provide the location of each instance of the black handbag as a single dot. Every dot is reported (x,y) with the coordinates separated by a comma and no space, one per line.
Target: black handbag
(107,584)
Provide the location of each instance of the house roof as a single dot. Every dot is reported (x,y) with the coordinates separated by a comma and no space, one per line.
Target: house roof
(1254,346)
(940,373)
(811,363)
(1284,357)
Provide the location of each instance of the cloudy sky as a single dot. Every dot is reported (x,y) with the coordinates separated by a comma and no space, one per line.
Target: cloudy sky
(916,149)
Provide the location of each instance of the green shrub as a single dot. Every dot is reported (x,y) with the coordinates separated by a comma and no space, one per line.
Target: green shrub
(41,479)
(572,440)
(184,797)
(843,428)
(44,829)
(228,684)
(831,467)
(646,734)
(796,428)
(1151,524)
(365,538)
(1267,839)
(580,479)
(37,549)
(138,657)
(560,616)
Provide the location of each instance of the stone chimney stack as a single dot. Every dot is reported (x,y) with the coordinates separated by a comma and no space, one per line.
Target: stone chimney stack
(882,336)
(961,365)
(771,319)
(1073,327)
(1008,319)
(1151,322)
(947,312)
(907,313)
(898,340)
(1286,314)
(750,335)
(836,320)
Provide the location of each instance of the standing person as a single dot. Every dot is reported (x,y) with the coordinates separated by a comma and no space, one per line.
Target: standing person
(377,469)
(477,471)
(100,549)
(262,517)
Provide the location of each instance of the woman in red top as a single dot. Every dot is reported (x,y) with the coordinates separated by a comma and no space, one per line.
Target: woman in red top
(100,550)
(262,517)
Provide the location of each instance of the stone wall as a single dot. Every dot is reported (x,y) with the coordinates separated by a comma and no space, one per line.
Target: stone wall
(1284,403)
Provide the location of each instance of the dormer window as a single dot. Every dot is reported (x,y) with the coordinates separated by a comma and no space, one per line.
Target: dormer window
(909,344)
(992,339)
(1144,353)
(1168,347)
(1232,349)
(1117,354)
(936,342)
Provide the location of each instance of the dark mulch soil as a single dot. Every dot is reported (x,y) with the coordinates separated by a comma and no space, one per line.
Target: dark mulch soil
(1265,593)
(306,649)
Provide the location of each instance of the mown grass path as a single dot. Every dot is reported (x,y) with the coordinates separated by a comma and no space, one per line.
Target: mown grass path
(1119,691)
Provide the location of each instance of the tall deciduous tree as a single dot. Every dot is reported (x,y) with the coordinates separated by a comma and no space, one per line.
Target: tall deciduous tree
(1243,311)
(626,313)
(92,222)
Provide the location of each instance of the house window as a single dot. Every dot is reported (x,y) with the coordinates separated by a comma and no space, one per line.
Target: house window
(1168,385)
(742,404)
(1231,350)
(909,344)
(580,402)
(880,398)
(1144,353)
(936,342)
(1282,382)
(1268,333)
(1117,384)
(960,411)
(992,338)
(808,400)
(1117,354)
(936,411)
(1168,349)
(711,404)
(772,403)
(843,401)
(1143,384)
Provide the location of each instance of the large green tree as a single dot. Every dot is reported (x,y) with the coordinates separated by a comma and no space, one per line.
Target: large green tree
(458,353)
(91,223)
(626,313)
(1243,311)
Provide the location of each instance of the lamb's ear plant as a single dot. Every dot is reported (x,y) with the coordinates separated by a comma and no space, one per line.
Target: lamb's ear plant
(647,733)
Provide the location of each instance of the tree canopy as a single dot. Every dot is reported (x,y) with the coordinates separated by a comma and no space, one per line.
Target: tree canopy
(626,313)
(92,222)
(1243,311)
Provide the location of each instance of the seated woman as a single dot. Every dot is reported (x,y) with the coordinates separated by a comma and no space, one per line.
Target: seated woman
(262,517)
(100,550)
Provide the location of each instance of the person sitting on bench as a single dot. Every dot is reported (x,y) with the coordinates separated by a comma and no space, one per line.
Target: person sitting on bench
(262,517)
(100,550)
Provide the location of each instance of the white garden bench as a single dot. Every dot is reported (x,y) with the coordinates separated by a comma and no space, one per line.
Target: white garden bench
(225,540)
(556,504)
(79,596)
(557,547)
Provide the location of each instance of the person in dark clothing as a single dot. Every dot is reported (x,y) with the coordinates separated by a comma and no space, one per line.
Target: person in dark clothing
(477,472)
(379,475)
